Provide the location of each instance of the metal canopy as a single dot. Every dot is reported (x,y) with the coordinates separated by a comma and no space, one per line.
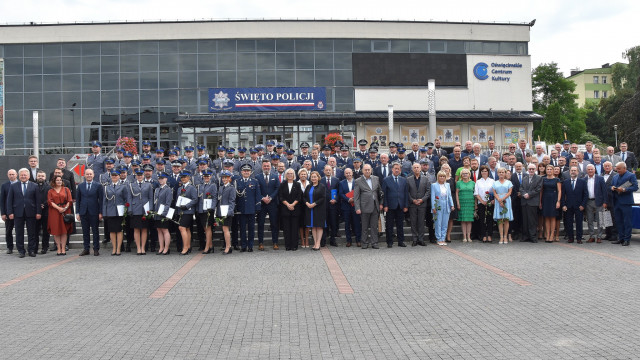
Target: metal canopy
(258,118)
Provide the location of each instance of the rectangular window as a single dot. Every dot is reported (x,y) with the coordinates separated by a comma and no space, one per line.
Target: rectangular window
(604,94)
(380,45)
(595,79)
(604,79)
(596,94)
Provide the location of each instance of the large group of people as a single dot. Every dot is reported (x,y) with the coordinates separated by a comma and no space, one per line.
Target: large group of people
(156,198)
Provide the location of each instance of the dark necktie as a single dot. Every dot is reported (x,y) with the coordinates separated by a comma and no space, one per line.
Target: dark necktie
(573,184)
(329,183)
(384,171)
(89,186)
(24,188)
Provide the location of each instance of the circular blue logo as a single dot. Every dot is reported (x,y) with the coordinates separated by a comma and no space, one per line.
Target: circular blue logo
(480,71)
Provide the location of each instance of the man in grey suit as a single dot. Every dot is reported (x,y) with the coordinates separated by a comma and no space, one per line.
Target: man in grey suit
(611,156)
(367,199)
(530,200)
(419,194)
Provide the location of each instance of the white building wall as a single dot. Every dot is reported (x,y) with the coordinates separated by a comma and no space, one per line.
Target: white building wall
(263,29)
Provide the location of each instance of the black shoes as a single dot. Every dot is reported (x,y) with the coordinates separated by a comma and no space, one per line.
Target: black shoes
(375,246)
(402,245)
(389,245)
(32,254)
(626,243)
(619,242)
(9,251)
(333,243)
(21,255)
(421,243)
(84,252)
(365,246)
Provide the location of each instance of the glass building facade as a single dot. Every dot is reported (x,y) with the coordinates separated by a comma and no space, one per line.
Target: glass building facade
(104,90)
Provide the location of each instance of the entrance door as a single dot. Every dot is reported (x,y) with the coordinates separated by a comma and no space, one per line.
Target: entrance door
(211,141)
(262,138)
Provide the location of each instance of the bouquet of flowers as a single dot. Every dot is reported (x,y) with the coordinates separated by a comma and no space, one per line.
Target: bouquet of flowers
(153,214)
(502,213)
(126,213)
(436,206)
(332,138)
(128,144)
(487,197)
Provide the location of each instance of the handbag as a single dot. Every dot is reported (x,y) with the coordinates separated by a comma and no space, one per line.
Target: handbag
(68,218)
(605,219)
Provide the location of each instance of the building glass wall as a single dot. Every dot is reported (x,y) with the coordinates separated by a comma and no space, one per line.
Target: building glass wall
(103,90)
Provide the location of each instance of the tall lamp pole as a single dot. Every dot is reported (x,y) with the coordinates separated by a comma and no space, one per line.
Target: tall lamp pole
(615,131)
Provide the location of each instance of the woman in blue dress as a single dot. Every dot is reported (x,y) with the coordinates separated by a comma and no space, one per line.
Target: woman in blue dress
(550,202)
(316,209)
(502,212)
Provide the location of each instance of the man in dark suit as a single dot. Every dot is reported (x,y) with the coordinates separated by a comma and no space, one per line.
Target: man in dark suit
(607,175)
(33,168)
(522,152)
(317,164)
(419,191)
(331,184)
(529,201)
(628,157)
(42,224)
(597,198)
(66,175)
(8,223)
(624,185)
(23,207)
(89,211)
(384,169)
(396,203)
(335,170)
(574,200)
(351,219)
(516,204)
(269,185)
(438,151)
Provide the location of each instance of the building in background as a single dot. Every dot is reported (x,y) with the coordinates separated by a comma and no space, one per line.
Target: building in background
(592,85)
(241,83)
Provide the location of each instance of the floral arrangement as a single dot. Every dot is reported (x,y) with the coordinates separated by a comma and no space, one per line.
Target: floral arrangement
(126,213)
(487,198)
(436,206)
(129,144)
(332,138)
(153,214)
(502,213)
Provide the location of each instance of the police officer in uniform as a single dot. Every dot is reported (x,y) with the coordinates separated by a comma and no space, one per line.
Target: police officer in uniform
(304,153)
(363,153)
(290,162)
(217,163)
(393,152)
(344,161)
(373,158)
(248,201)
(95,161)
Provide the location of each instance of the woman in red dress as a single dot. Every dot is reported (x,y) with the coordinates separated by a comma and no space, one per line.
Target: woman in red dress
(59,199)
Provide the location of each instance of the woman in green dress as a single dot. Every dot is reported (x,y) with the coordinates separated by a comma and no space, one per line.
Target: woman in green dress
(466,203)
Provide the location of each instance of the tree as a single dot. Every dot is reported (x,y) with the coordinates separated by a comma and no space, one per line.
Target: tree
(597,124)
(554,99)
(627,118)
(626,76)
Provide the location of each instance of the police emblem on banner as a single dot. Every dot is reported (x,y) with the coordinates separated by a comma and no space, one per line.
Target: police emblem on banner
(221,101)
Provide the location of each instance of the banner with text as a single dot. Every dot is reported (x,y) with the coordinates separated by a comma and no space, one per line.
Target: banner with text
(267,99)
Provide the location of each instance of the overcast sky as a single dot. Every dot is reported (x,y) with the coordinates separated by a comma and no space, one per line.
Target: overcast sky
(575,34)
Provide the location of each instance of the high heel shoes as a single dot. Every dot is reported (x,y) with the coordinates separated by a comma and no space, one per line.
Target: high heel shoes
(227,252)
(208,251)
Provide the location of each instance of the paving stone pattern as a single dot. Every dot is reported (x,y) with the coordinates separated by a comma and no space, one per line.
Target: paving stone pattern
(408,303)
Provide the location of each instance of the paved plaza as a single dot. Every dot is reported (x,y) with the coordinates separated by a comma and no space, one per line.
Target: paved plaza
(463,301)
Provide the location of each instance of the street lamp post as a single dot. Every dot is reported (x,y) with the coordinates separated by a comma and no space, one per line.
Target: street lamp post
(615,131)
